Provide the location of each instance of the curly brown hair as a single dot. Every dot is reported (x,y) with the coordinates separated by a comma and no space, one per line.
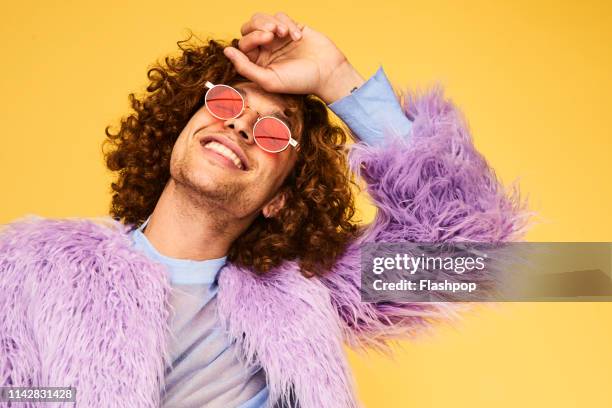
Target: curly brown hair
(316,225)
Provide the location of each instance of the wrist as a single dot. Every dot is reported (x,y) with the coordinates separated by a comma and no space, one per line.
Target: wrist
(340,83)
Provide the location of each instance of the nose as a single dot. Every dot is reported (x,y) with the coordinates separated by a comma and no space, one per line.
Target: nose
(243,124)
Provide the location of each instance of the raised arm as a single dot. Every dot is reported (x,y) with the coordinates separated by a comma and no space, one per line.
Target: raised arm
(429,184)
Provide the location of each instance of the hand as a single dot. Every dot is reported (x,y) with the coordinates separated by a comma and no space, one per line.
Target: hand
(282,56)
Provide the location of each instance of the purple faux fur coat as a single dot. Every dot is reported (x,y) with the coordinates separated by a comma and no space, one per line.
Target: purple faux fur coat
(79,306)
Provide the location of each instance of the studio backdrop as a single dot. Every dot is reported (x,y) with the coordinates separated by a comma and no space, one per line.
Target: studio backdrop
(532,78)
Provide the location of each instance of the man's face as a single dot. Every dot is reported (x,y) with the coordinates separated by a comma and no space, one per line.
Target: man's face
(201,162)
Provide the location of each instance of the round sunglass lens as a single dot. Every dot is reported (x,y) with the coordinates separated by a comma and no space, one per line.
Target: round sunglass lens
(271,134)
(224,102)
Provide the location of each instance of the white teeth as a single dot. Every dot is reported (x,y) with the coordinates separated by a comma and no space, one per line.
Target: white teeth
(224,151)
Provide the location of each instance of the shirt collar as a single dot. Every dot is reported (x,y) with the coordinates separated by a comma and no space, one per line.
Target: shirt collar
(181,271)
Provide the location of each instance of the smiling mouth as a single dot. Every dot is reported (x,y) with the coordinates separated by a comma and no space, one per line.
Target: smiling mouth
(224,152)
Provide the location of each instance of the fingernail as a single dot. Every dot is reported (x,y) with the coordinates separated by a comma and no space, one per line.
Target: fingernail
(296,34)
(269,26)
(228,52)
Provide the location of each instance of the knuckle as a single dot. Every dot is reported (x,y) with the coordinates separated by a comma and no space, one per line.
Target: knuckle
(259,20)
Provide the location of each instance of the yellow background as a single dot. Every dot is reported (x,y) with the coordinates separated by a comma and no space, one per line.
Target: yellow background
(533,79)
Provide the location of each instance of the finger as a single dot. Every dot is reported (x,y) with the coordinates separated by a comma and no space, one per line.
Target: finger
(254,39)
(253,54)
(258,22)
(264,22)
(249,70)
(294,30)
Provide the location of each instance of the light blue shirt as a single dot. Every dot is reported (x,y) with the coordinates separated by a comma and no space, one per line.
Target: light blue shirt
(372,110)
(205,371)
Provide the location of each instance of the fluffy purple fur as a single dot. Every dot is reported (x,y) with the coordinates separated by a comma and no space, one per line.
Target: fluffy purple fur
(80,306)
(432,186)
(291,329)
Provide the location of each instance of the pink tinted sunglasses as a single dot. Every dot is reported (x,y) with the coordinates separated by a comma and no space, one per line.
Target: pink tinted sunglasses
(270,133)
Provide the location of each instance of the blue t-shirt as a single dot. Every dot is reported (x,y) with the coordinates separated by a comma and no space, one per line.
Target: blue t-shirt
(205,370)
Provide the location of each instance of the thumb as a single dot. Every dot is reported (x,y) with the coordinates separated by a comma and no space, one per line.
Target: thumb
(248,69)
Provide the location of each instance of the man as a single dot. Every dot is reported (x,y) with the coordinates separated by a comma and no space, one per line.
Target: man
(233,277)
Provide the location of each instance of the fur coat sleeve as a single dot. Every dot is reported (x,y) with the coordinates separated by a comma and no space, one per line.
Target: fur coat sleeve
(431,185)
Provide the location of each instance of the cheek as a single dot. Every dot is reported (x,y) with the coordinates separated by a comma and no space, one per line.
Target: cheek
(199,121)
(276,170)
(178,150)
(181,148)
